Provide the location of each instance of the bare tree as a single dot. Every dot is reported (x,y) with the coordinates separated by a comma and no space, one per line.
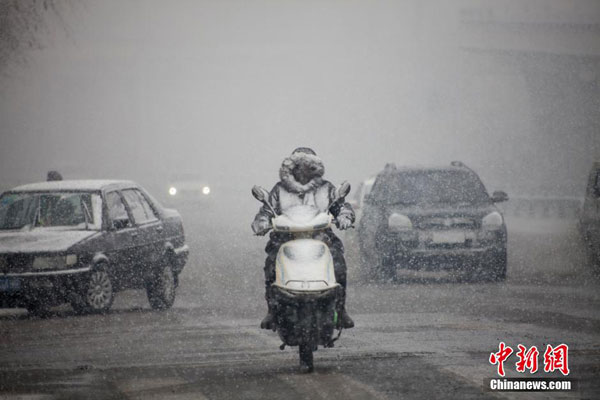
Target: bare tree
(23,26)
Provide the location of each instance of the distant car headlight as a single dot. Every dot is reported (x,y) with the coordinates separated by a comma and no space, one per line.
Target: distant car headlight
(399,222)
(206,190)
(54,262)
(492,221)
(172,190)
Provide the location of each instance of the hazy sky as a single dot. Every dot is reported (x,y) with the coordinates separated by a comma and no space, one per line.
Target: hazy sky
(144,89)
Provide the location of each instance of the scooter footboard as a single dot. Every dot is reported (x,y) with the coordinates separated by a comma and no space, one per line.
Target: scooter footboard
(306,318)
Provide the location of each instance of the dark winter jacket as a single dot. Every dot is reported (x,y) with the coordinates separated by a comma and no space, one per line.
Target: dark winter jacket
(288,192)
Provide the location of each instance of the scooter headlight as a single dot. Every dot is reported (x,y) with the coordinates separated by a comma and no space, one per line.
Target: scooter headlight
(304,253)
(289,253)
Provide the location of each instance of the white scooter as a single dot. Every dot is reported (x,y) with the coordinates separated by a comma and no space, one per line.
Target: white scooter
(305,293)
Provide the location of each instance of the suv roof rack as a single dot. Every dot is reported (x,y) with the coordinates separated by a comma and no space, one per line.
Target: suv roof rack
(390,167)
(461,164)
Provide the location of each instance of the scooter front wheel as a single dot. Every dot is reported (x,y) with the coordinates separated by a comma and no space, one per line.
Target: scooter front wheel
(306,357)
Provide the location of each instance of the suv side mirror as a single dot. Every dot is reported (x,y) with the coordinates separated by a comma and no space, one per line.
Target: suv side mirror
(499,196)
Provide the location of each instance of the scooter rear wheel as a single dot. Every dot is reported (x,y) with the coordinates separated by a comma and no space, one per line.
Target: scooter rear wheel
(306,357)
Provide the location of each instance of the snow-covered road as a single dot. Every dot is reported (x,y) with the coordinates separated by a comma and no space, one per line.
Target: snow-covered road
(426,339)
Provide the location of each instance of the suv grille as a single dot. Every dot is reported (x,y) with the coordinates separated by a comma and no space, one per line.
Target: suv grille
(447,223)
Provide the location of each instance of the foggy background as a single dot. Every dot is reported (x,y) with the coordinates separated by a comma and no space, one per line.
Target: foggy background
(223,90)
(226,89)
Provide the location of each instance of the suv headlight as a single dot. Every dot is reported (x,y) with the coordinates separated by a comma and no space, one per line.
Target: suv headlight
(492,221)
(54,262)
(399,222)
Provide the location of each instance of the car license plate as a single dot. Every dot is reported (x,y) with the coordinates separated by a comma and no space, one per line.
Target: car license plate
(450,237)
(9,284)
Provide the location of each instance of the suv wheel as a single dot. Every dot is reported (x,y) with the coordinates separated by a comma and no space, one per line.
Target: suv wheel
(492,269)
(161,287)
(366,272)
(498,267)
(386,269)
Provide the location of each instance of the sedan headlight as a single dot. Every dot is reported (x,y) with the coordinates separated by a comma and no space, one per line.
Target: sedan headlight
(492,221)
(399,222)
(172,190)
(54,262)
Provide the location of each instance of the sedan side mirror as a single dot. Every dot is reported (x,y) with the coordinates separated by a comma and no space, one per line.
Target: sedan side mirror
(499,196)
(120,223)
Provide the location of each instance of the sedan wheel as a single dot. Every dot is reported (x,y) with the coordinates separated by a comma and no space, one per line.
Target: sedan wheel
(100,291)
(97,295)
(161,289)
(37,309)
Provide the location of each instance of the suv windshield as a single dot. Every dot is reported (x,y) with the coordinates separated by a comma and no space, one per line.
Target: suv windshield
(74,210)
(415,187)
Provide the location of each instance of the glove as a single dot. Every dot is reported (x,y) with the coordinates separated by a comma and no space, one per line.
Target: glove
(260,227)
(343,222)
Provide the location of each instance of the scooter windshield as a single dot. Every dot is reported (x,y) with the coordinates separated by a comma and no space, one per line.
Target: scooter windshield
(301,219)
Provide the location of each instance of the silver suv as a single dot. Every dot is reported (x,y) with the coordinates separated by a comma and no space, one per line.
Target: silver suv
(433,218)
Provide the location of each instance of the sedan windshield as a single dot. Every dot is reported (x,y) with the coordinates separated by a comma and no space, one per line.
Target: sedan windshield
(433,187)
(73,210)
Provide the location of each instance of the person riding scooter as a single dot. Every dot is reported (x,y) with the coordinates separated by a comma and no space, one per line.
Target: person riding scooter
(301,183)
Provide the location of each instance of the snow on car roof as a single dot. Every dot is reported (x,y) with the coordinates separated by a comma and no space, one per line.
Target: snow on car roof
(392,168)
(76,185)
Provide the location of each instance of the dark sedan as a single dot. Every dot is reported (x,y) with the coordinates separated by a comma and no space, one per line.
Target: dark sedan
(83,241)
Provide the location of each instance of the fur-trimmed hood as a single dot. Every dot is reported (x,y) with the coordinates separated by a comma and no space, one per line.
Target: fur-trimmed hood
(310,165)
